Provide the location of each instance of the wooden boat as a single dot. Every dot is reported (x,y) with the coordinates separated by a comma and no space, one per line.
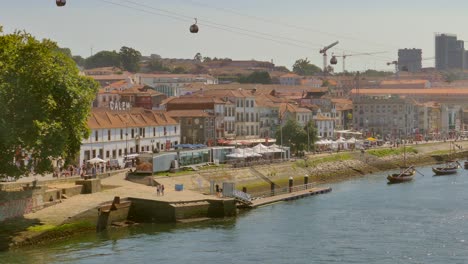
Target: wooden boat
(404,176)
(449,168)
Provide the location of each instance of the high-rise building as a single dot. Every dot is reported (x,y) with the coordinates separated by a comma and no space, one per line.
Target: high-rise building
(410,60)
(449,52)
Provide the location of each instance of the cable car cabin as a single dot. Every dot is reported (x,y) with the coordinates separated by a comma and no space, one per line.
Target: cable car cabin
(60,2)
(333,60)
(194,28)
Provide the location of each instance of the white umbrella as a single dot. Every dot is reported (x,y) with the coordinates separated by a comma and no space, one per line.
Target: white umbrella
(96,160)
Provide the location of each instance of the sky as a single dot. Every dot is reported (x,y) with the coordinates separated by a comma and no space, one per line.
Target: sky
(282,31)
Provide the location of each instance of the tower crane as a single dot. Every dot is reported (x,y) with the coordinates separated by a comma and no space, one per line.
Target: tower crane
(353,54)
(324,52)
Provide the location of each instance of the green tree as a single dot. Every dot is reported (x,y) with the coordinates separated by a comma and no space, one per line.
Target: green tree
(44,105)
(256,77)
(80,61)
(292,135)
(198,57)
(312,134)
(103,59)
(206,59)
(305,68)
(130,59)
(178,70)
(155,64)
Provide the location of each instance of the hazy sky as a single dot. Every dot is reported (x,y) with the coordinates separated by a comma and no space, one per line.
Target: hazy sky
(282,31)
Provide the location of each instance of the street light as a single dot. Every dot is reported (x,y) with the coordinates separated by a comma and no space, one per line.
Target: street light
(126,138)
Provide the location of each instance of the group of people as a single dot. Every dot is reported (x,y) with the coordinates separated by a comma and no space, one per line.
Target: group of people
(160,189)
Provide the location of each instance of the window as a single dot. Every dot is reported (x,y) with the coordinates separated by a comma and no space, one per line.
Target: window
(175,130)
(96,138)
(120,152)
(108,135)
(107,154)
(154,131)
(165,132)
(252,117)
(189,121)
(252,103)
(252,130)
(133,133)
(246,117)
(121,133)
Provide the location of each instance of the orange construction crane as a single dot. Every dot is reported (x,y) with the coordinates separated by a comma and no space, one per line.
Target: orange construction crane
(353,54)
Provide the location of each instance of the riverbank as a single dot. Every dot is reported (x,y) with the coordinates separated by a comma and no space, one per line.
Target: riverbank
(62,220)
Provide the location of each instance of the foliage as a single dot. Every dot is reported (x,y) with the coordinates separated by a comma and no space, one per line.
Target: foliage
(392,151)
(198,57)
(305,68)
(155,64)
(315,162)
(256,77)
(179,69)
(325,83)
(295,136)
(44,105)
(450,76)
(103,59)
(80,61)
(130,58)
(206,59)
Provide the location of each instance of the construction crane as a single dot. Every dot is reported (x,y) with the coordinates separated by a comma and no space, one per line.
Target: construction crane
(404,68)
(324,52)
(353,54)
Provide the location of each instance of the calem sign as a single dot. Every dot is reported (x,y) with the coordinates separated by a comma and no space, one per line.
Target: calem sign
(117,105)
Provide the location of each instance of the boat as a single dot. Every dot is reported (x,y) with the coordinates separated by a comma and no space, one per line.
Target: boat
(451,167)
(404,175)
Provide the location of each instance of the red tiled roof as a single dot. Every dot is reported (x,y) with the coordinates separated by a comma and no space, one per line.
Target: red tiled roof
(136,117)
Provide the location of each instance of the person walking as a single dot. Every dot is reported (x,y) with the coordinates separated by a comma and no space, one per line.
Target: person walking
(158,190)
(162,189)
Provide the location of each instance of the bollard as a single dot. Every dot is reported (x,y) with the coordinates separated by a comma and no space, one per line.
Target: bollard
(291,181)
(272,187)
(306,181)
(244,189)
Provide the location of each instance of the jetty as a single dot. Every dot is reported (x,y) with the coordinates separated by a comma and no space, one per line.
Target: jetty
(287,196)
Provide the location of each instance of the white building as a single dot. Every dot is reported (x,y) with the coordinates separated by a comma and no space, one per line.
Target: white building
(325,125)
(115,133)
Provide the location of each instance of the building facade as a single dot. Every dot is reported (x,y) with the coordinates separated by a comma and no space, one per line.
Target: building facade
(410,60)
(449,52)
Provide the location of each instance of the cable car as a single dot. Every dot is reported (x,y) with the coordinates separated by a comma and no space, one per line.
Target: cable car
(194,27)
(333,60)
(60,2)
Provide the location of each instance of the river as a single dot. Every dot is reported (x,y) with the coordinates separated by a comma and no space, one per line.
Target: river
(360,221)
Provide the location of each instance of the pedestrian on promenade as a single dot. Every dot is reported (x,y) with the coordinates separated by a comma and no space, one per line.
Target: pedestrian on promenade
(162,189)
(158,190)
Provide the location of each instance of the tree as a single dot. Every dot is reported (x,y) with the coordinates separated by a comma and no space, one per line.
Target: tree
(155,64)
(256,77)
(312,135)
(80,61)
(130,59)
(44,105)
(206,59)
(198,57)
(178,69)
(305,68)
(292,135)
(103,59)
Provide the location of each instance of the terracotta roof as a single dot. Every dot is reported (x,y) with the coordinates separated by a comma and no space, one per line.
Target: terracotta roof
(427,91)
(402,82)
(109,77)
(188,113)
(136,117)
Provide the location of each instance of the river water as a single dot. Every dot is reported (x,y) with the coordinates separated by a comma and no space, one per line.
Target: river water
(360,221)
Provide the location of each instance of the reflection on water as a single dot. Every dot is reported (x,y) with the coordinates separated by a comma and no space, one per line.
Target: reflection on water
(361,221)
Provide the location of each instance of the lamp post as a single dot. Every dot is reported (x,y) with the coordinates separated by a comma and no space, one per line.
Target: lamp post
(281,136)
(308,138)
(126,138)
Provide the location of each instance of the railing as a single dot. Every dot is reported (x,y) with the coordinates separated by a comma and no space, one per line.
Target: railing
(283,190)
